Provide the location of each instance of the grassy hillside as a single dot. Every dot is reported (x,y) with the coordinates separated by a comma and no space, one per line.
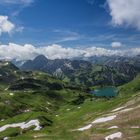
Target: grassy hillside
(31,95)
(132,86)
(63,108)
(95,75)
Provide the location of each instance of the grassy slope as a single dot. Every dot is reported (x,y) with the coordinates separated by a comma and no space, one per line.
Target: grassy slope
(40,103)
(96,75)
(69,120)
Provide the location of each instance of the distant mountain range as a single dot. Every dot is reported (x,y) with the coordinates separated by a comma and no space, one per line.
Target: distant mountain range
(126,65)
(92,71)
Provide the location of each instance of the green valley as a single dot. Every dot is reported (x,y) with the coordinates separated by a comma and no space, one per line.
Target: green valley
(62,109)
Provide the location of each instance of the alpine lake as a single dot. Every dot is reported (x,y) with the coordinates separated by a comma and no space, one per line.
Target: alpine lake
(105,92)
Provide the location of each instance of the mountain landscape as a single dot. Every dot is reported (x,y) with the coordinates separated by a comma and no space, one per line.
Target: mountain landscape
(95,71)
(69,69)
(36,94)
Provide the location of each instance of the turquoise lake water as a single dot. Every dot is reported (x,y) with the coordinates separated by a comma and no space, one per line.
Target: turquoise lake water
(105,92)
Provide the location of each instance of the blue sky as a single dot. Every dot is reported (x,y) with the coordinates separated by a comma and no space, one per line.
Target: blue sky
(66,22)
(72,23)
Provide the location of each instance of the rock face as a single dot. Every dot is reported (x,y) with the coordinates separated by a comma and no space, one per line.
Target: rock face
(99,71)
(126,65)
(7,71)
(52,66)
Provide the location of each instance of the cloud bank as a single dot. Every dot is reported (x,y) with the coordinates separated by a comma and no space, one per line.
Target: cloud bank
(125,12)
(27,51)
(6,26)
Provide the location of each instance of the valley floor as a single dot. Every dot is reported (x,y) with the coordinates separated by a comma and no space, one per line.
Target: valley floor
(99,119)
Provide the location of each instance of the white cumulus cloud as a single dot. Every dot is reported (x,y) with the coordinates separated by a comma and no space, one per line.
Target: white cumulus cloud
(125,12)
(28,51)
(15,51)
(116,44)
(6,26)
(56,51)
